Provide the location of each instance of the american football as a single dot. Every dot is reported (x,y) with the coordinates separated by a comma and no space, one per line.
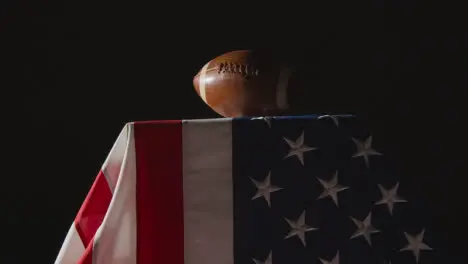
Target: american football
(244,83)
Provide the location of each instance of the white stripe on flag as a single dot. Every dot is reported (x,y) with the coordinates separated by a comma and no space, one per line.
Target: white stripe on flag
(72,248)
(113,164)
(115,240)
(208,195)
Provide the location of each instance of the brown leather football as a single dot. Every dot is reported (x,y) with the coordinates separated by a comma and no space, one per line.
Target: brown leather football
(244,83)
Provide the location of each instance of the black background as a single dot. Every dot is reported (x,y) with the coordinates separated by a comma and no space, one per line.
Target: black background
(73,73)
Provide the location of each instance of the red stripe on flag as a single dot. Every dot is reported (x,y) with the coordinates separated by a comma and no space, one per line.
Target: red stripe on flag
(93,210)
(160,222)
(87,257)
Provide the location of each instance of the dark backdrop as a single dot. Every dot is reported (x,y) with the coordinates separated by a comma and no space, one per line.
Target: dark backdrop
(73,73)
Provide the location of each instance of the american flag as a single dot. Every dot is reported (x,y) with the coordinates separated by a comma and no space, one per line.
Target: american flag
(264,190)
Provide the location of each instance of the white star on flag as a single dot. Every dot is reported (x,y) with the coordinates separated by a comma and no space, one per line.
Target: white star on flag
(335,260)
(364,228)
(298,148)
(390,197)
(299,228)
(264,189)
(268,260)
(332,188)
(364,149)
(416,244)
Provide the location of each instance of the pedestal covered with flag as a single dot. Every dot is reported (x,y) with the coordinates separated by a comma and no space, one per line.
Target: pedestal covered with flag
(278,190)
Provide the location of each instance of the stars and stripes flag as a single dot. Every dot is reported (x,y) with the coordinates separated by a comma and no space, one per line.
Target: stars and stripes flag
(264,190)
